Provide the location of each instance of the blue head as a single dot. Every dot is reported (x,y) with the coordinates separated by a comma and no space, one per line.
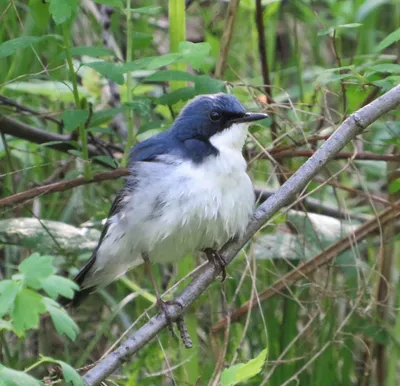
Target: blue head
(204,126)
(209,115)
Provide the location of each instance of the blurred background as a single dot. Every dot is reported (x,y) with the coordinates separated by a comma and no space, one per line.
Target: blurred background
(83,81)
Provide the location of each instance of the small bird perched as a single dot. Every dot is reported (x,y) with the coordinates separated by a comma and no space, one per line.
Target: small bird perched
(188,191)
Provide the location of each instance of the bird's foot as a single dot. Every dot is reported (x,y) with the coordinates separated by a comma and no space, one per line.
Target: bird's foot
(180,322)
(217,259)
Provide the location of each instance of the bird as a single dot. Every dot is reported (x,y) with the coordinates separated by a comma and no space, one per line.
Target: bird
(187,191)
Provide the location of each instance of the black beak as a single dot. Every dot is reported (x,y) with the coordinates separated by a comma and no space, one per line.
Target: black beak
(250,117)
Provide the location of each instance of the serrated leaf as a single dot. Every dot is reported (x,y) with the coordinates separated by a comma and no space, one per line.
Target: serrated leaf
(91,51)
(207,85)
(108,70)
(10,377)
(36,267)
(8,291)
(168,75)
(61,320)
(194,53)
(28,306)
(243,371)
(62,10)
(11,46)
(74,118)
(112,3)
(390,39)
(55,285)
(181,94)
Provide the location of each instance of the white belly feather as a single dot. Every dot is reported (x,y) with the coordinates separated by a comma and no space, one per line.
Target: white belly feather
(174,210)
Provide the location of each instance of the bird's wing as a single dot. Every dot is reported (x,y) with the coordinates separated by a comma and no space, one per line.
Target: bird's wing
(146,151)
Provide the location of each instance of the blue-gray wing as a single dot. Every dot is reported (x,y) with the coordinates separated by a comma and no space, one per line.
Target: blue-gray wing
(146,151)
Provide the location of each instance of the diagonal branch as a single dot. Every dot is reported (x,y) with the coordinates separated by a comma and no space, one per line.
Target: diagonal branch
(351,127)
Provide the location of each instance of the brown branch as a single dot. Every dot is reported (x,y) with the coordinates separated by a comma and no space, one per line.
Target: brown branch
(364,156)
(385,217)
(61,186)
(226,39)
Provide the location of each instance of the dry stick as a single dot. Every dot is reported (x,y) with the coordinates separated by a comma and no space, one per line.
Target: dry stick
(226,38)
(61,186)
(351,127)
(386,260)
(342,155)
(385,217)
(262,49)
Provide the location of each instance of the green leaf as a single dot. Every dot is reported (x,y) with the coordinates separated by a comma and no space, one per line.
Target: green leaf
(108,70)
(62,10)
(102,130)
(168,75)
(207,85)
(112,3)
(181,94)
(27,308)
(394,186)
(51,143)
(75,153)
(330,30)
(107,160)
(55,285)
(36,267)
(390,39)
(151,63)
(10,377)
(40,13)
(99,117)
(195,53)
(5,325)
(11,46)
(8,291)
(62,321)
(243,371)
(386,67)
(70,374)
(91,51)
(147,10)
(74,118)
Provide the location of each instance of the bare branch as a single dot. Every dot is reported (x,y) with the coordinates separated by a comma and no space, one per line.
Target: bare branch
(351,127)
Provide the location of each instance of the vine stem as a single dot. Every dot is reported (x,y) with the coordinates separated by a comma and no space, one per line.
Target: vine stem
(129,49)
(72,74)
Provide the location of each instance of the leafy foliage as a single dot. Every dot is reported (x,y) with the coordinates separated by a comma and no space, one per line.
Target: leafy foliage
(24,305)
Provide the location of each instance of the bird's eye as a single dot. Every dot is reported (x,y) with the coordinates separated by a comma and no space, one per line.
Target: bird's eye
(215,116)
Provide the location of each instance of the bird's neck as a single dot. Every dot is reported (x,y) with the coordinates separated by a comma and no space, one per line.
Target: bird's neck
(232,138)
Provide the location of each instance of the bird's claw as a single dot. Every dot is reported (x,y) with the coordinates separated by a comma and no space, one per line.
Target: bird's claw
(163,306)
(217,259)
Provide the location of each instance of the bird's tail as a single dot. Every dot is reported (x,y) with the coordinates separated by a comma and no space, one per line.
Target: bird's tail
(79,279)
